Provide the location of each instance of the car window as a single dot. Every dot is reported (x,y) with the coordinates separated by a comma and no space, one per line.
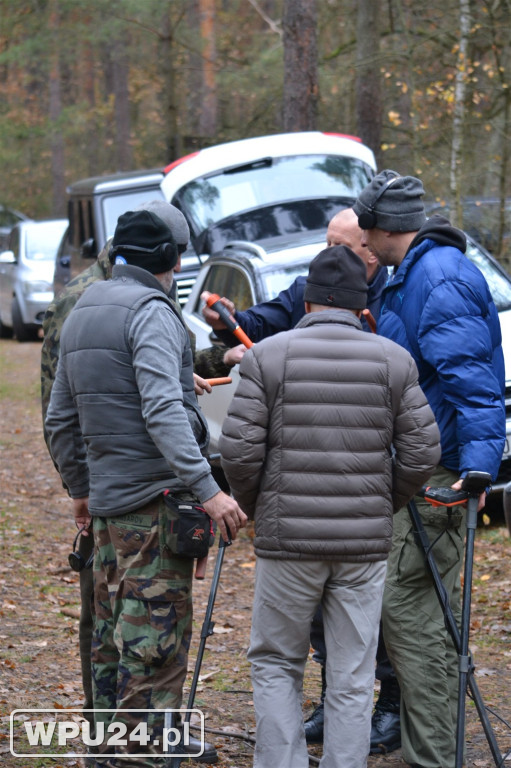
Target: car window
(231,282)
(14,242)
(8,218)
(42,241)
(498,282)
(269,181)
(279,279)
(115,205)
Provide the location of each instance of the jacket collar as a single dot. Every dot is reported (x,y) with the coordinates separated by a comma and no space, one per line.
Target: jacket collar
(138,274)
(329,316)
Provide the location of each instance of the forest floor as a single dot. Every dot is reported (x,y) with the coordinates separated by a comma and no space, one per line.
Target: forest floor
(39,603)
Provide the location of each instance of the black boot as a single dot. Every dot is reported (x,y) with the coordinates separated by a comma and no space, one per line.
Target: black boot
(208,756)
(314,724)
(386,723)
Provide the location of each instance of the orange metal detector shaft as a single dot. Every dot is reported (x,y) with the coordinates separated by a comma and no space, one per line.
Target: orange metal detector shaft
(214,303)
(219,380)
(371,322)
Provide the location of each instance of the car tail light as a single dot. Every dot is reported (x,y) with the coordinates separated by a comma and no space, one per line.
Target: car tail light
(343,136)
(180,160)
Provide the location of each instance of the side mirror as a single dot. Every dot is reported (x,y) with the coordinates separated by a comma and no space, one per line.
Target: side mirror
(7,257)
(88,249)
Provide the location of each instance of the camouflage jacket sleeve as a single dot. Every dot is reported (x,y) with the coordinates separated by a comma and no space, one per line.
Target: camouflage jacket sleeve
(52,327)
(209,362)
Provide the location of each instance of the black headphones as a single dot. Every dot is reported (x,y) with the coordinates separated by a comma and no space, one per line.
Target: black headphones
(367,219)
(166,250)
(75,559)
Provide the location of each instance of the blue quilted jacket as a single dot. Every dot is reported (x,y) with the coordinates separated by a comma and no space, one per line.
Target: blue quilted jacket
(438,306)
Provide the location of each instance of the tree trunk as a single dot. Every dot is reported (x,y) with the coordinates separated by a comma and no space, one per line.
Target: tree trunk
(55,109)
(124,155)
(369,108)
(209,106)
(300,98)
(456,181)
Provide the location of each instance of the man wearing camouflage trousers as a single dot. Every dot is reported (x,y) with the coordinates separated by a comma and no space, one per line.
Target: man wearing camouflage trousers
(213,361)
(123,426)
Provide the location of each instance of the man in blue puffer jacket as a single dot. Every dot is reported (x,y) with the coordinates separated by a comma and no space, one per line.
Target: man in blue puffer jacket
(438,306)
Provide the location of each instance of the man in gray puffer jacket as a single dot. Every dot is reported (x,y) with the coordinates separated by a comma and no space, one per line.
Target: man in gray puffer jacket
(327,436)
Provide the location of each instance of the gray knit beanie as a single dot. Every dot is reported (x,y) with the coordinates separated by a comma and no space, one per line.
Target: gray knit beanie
(172,217)
(391,202)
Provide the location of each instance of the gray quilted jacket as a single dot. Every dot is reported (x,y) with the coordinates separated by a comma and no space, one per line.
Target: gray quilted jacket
(328,434)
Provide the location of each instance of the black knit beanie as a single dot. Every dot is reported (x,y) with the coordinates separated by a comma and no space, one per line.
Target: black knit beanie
(142,239)
(337,278)
(391,202)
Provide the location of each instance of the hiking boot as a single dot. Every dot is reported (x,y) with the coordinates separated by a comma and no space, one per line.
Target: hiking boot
(314,724)
(209,755)
(385,727)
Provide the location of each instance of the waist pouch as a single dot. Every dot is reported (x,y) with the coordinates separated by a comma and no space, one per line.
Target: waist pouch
(442,517)
(191,531)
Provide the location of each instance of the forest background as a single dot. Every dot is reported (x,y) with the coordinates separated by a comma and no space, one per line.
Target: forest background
(97,86)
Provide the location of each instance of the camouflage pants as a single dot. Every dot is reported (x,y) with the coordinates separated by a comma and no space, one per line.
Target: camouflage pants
(143,622)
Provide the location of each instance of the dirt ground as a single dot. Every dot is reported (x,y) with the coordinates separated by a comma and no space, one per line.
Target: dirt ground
(39,602)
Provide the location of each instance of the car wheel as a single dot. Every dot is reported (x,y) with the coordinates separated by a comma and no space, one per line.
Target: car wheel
(506,500)
(5,331)
(22,331)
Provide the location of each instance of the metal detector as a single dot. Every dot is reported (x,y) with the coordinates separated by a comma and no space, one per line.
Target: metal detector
(473,485)
(175,760)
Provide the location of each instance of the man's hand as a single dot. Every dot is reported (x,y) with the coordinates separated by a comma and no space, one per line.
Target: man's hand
(482,498)
(233,355)
(81,513)
(201,385)
(210,316)
(226,513)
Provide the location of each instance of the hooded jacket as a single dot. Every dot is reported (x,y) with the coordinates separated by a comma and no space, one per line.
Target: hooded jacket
(307,445)
(438,306)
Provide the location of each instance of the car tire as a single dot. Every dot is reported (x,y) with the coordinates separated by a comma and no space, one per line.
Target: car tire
(506,502)
(22,331)
(5,331)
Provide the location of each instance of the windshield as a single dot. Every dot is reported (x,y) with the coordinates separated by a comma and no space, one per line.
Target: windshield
(268,181)
(115,205)
(43,240)
(498,282)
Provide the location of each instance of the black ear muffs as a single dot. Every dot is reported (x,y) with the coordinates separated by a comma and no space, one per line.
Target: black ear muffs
(367,219)
(76,560)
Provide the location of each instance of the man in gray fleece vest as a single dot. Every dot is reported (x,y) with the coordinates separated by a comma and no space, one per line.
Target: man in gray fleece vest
(124,426)
(328,434)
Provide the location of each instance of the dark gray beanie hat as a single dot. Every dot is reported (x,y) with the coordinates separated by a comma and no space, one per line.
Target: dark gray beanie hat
(391,202)
(337,278)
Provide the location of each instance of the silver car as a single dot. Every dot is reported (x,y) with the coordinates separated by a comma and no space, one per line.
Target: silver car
(26,277)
